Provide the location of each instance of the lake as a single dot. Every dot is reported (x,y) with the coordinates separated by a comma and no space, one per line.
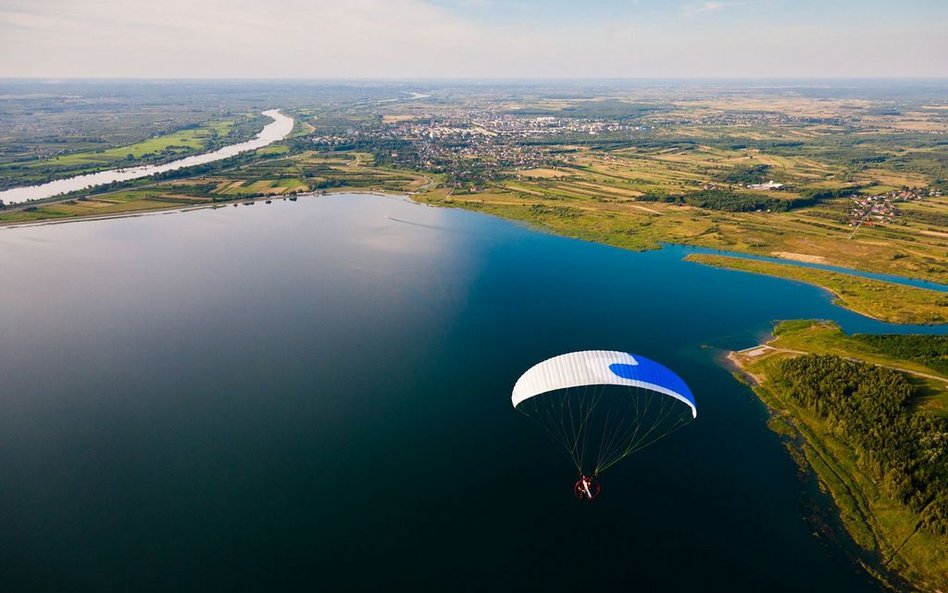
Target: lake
(315,395)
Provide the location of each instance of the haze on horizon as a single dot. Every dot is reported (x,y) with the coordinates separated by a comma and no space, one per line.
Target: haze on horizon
(473,38)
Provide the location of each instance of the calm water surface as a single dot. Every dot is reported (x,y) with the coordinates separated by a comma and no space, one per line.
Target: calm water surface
(316,396)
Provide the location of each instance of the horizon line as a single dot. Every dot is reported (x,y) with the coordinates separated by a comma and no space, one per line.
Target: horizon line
(54,79)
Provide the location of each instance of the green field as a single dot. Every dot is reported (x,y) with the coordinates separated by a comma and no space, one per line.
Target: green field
(159,148)
(176,144)
(108,204)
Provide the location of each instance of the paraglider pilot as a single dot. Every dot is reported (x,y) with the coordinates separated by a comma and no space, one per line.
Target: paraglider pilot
(587,487)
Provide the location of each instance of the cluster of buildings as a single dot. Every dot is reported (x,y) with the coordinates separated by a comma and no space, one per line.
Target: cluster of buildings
(768,185)
(880,209)
(507,126)
(477,145)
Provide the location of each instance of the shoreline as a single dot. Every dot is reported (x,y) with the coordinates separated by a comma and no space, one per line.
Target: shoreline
(818,454)
(917,305)
(867,296)
(924,313)
(796,441)
(732,363)
(152,212)
(930,314)
(173,209)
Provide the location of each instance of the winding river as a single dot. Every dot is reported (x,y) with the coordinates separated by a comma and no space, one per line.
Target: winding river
(275,131)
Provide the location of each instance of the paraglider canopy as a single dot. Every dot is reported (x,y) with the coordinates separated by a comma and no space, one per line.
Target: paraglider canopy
(601,367)
(603,405)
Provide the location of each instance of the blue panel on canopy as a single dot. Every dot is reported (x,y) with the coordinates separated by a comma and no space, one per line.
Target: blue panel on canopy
(649,371)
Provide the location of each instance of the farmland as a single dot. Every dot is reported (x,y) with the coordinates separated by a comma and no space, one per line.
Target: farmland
(756,171)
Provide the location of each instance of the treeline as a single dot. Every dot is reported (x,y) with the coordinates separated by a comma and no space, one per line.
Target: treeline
(731,201)
(925,217)
(828,194)
(744,174)
(931,351)
(869,409)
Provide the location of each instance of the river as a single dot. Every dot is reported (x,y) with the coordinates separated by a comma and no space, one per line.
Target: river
(315,395)
(277,130)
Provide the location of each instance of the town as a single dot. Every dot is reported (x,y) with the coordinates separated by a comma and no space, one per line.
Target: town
(880,209)
(473,147)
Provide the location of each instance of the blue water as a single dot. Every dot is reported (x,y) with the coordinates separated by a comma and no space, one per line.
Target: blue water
(315,395)
(885,277)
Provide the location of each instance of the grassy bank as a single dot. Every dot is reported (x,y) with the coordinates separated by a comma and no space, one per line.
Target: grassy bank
(633,223)
(886,301)
(896,536)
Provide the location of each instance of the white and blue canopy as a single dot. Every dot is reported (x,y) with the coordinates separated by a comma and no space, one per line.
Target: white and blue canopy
(601,367)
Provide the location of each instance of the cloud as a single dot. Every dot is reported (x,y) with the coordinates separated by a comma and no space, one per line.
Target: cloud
(230,37)
(435,39)
(703,7)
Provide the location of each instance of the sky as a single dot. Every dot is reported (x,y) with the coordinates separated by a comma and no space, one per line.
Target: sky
(520,39)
